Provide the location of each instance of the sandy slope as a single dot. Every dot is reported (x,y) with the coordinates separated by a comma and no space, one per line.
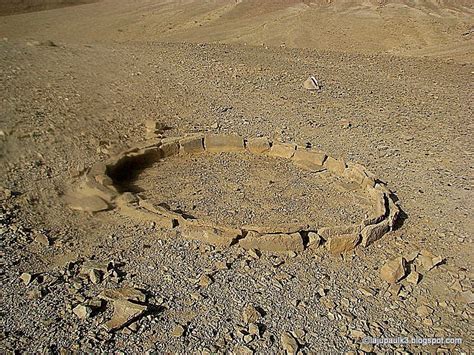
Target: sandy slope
(433,28)
(12,7)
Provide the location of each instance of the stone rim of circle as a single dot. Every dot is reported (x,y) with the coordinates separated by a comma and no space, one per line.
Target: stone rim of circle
(98,192)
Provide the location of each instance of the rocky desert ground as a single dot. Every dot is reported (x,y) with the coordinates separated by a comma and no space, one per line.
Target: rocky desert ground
(90,88)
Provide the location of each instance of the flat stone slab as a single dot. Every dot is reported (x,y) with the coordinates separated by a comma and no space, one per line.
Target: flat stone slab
(282,150)
(211,235)
(309,160)
(274,229)
(258,145)
(192,145)
(224,143)
(125,312)
(374,232)
(273,242)
(336,166)
(342,243)
(87,203)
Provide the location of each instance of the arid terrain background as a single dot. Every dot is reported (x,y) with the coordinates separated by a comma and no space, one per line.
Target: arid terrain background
(78,81)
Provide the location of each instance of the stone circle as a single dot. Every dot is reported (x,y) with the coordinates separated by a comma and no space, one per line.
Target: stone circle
(99,192)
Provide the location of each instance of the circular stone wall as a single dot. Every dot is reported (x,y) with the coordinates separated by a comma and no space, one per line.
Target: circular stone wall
(107,185)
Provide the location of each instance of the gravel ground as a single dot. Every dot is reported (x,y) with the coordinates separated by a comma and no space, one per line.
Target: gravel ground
(67,106)
(260,191)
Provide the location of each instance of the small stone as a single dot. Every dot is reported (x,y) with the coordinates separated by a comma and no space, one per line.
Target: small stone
(240,332)
(248,338)
(250,314)
(345,123)
(456,286)
(345,302)
(254,329)
(413,277)
(125,312)
(404,293)
(367,348)
(153,126)
(322,291)
(357,334)
(428,261)
(95,303)
(394,270)
(289,343)
(33,43)
(222,265)
(314,240)
(311,83)
(300,334)
(196,296)
(205,281)
(82,311)
(178,331)
(254,253)
(133,327)
(242,350)
(424,311)
(427,322)
(395,289)
(48,43)
(90,265)
(26,278)
(366,291)
(35,294)
(42,239)
(328,303)
(95,276)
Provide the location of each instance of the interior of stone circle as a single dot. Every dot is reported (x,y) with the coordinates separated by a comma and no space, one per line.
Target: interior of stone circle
(265,191)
